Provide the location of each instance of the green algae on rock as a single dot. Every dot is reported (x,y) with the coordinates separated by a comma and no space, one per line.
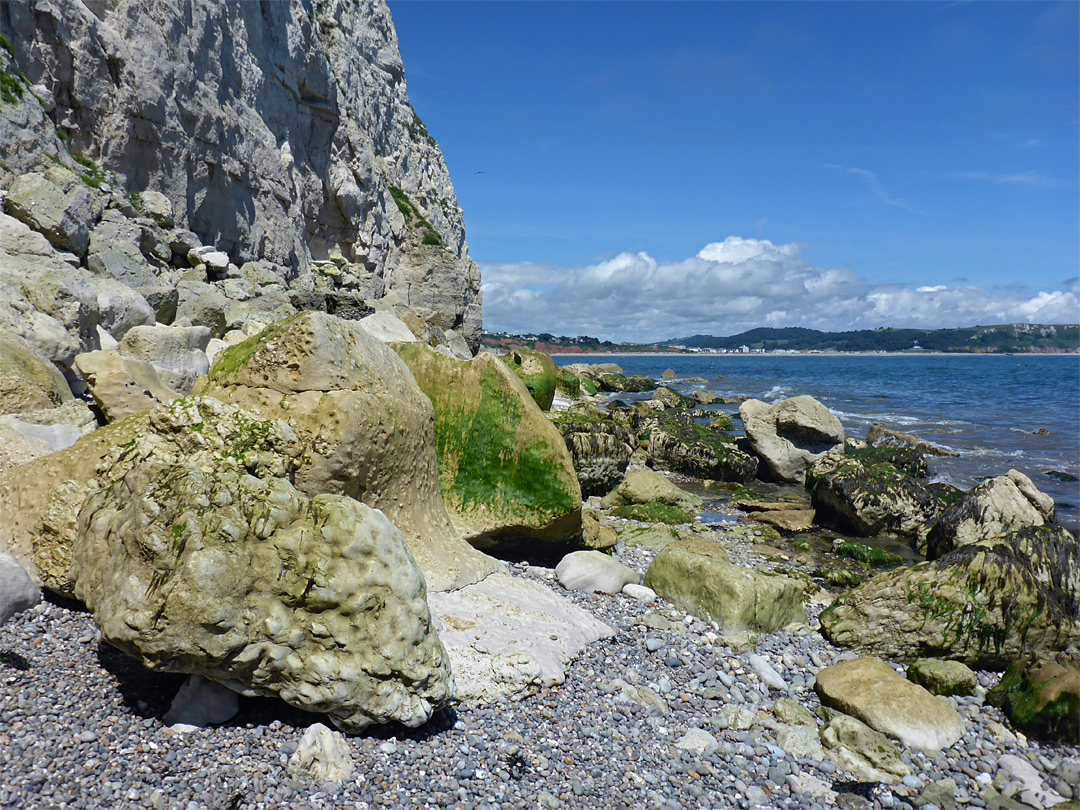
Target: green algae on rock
(683,446)
(695,575)
(983,604)
(504,470)
(537,371)
(1041,697)
(599,446)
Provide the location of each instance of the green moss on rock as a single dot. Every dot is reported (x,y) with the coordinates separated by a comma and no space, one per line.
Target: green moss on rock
(654,512)
(1041,697)
(537,371)
(879,558)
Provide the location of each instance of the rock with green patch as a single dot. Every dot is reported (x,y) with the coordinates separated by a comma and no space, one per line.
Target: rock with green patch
(537,371)
(39,501)
(368,428)
(504,469)
(665,399)
(250,583)
(653,512)
(599,446)
(789,435)
(786,520)
(840,577)
(56,204)
(873,692)
(721,422)
(695,576)
(653,537)
(870,555)
(645,486)
(697,450)
(905,459)
(793,713)
(864,499)
(879,436)
(1040,694)
(28,382)
(983,604)
(568,384)
(1000,505)
(863,752)
(942,677)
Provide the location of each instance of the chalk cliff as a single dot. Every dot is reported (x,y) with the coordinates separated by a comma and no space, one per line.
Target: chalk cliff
(279,132)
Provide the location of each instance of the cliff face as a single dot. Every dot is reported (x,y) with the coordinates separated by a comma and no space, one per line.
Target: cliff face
(279,131)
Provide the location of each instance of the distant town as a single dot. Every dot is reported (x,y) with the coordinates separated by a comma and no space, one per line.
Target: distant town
(1016,338)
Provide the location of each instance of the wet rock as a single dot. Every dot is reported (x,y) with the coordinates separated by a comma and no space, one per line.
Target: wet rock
(599,446)
(880,436)
(1040,694)
(697,450)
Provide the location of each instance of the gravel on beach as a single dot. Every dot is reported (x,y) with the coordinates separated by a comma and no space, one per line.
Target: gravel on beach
(81,727)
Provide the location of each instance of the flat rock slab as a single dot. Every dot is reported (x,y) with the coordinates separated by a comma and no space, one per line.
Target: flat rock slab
(507,637)
(872,691)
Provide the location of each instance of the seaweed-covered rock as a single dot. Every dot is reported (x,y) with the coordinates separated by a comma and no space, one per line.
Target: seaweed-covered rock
(599,446)
(250,583)
(537,371)
(906,459)
(879,436)
(861,498)
(646,486)
(698,451)
(568,384)
(40,500)
(665,399)
(791,434)
(368,429)
(1003,504)
(868,555)
(983,604)
(504,469)
(695,575)
(653,512)
(1040,694)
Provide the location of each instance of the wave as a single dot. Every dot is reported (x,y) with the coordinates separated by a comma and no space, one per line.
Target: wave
(778,391)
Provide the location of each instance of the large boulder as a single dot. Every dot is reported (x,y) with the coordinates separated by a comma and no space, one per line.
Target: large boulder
(178,353)
(645,487)
(697,450)
(1040,694)
(791,434)
(537,371)
(504,469)
(368,429)
(120,249)
(599,446)
(983,604)
(123,386)
(880,436)
(866,498)
(28,382)
(593,571)
(250,583)
(695,575)
(40,500)
(872,691)
(1003,504)
(56,204)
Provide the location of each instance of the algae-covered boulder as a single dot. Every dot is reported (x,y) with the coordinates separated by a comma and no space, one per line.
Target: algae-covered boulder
(250,583)
(905,459)
(40,501)
(880,436)
(665,399)
(790,435)
(599,446)
(698,450)
(1040,694)
(983,604)
(695,575)
(646,486)
(504,469)
(537,371)
(1002,504)
(368,429)
(872,691)
(862,498)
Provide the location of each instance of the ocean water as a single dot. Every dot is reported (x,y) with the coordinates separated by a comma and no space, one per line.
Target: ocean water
(988,408)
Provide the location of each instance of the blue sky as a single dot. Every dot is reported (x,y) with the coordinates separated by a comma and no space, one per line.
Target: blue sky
(650,170)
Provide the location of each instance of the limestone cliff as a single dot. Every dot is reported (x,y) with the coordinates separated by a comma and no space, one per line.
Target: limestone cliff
(279,131)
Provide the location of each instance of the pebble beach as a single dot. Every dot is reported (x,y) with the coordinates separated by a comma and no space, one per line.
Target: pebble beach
(662,715)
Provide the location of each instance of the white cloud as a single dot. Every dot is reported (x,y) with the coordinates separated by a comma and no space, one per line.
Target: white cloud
(871,181)
(1029,178)
(735,285)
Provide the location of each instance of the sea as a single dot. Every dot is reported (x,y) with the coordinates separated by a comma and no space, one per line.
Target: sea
(999,412)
